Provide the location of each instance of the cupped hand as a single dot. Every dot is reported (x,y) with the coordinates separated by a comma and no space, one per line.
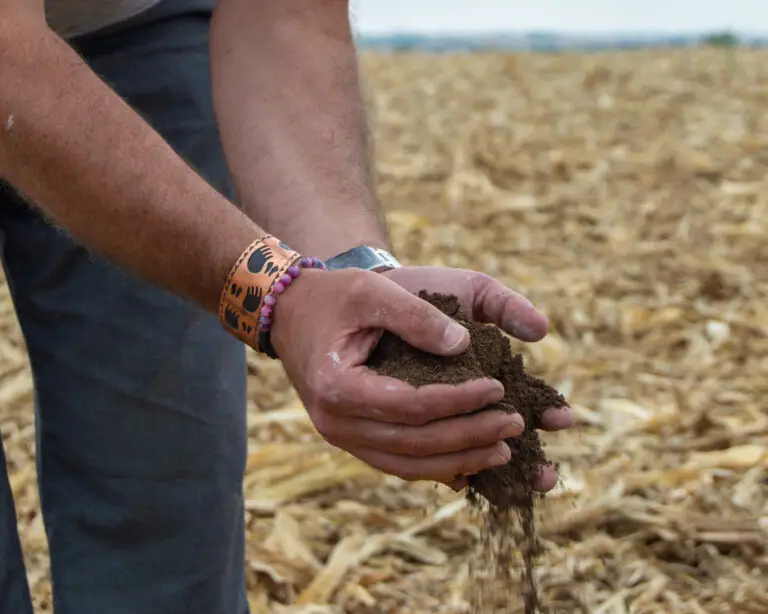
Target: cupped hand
(324,328)
(485,299)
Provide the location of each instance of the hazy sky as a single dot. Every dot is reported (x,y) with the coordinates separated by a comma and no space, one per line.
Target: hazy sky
(563,15)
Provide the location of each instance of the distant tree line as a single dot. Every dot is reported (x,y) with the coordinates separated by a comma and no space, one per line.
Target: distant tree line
(721,39)
(551,42)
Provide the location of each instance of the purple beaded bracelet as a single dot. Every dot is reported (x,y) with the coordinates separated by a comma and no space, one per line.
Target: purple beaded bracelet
(285,280)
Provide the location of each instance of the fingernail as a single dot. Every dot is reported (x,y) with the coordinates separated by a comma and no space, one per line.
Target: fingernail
(502,455)
(498,385)
(526,332)
(454,335)
(558,418)
(514,428)
(495,394)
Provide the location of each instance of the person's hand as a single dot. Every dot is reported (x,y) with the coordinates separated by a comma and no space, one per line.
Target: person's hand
(324,328)
(486,299)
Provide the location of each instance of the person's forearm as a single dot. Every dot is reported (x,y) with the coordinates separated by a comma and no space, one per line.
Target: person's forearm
(292,120)
(88,161)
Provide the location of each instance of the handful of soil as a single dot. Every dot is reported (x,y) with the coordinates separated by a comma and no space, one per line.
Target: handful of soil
(509,488)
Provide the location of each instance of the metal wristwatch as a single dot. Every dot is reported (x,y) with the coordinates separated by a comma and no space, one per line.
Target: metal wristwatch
(364,257)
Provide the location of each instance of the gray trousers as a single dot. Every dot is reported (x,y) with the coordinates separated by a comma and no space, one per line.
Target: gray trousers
(139,395)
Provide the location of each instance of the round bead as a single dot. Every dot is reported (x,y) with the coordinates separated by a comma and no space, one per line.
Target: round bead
(306,262)
(270,300)
(266,311)
(286,280)
(294,271)
(264,321)
(278,288)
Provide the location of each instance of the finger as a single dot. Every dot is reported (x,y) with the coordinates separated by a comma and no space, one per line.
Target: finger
(458,484)
(546,479)
(500,492)
(381,303)
(386,399)
(439,437)
(557,419)
(510,311)
(440,468)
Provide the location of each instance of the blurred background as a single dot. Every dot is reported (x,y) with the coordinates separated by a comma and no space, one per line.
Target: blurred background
(608,159)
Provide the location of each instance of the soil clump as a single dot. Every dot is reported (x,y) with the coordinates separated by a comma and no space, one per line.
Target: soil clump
(506,492)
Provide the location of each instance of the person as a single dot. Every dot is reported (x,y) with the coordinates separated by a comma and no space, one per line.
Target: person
(149,150)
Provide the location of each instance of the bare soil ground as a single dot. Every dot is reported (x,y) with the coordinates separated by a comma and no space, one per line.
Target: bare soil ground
(626,194)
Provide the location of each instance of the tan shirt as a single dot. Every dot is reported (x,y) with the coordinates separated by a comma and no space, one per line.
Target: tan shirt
(70,18)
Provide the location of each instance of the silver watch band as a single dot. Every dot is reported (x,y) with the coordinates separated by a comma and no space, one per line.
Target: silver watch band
(363,257)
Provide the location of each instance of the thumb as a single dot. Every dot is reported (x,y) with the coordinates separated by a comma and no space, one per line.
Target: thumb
(411,318)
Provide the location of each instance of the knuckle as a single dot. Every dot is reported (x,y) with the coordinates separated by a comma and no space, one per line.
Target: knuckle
(480,283)
(413,445)
(467,464)
(419,413)
(360,295)
(417,314)
(476,438)
(358,285)
(465,401)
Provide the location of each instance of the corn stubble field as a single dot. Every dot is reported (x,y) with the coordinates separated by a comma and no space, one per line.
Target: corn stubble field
(626,195)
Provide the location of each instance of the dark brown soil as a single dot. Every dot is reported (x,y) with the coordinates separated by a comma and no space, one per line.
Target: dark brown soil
(506,489)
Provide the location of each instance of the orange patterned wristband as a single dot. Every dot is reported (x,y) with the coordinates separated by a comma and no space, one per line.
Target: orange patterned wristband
(257,269)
